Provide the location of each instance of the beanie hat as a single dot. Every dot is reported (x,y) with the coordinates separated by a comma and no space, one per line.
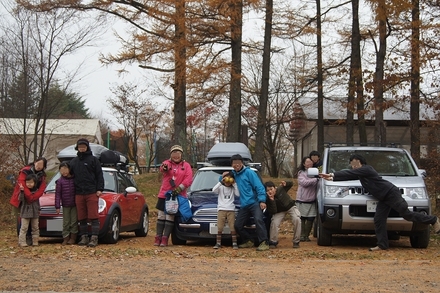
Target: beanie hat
(176,148)
(82,141)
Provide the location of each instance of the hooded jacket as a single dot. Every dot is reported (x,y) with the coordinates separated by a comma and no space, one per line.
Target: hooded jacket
(250,186)
(87,171)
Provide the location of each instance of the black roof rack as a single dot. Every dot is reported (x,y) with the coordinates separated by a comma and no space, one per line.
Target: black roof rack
(375,144)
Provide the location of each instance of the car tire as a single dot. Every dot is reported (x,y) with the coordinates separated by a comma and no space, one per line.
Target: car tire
(114,227)
(324,237)
(421,240)
(144,225)
(176,240)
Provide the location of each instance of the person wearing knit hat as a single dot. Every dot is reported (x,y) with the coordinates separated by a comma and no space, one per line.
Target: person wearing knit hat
(177,177)
(82,141)
(89,184)
(176,148)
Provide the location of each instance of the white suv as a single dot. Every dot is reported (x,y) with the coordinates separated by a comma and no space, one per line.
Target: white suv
(346,208)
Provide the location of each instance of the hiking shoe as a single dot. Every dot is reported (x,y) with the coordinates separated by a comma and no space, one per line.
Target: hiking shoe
(263,246)
(376,248)
(217,246)
(234,246)
(436,226)
(296,245)
(302,238)
(247,244)
(84,240)
(93,241)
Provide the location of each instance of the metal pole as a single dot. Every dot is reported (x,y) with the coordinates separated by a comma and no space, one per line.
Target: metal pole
(155,148)
(108,137)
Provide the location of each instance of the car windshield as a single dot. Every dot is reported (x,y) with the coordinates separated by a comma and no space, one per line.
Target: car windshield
(109,181)
(205,179)
(386,163)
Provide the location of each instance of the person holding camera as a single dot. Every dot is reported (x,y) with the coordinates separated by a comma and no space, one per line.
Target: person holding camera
(177,176)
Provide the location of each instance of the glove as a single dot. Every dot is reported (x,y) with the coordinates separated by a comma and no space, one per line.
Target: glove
(176,191)
(164,167)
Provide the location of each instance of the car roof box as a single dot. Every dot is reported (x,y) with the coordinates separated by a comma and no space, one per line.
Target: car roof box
(113,158)
(220,154)
(69,152)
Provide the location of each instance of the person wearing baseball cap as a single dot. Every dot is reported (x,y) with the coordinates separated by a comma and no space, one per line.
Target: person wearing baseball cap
(177,177)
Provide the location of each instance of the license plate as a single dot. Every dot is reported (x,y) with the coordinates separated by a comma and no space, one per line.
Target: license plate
(371,206)
(213,229)
(54,225)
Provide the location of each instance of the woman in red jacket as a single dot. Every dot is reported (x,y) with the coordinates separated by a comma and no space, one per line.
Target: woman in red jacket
(37,168)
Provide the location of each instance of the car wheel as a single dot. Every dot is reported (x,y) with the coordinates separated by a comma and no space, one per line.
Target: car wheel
(114,227)
(420,240)
(324,237)
(176,240)
(144,225)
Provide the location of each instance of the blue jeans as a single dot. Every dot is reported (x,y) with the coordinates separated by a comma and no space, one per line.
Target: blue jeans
(243,216)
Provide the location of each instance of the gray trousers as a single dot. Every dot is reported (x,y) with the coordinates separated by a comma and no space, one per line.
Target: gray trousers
(276,221)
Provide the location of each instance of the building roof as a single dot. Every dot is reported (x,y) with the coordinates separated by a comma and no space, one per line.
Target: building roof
(335,109)
(53,126)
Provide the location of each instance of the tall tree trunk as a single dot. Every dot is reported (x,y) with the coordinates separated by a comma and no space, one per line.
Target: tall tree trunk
(380,131)
(234,121)
(349,135)
(180,76)
(264,97)
(356,70)
(320,79)
(415,82)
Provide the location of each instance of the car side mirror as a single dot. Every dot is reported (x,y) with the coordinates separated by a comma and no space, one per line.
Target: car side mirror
(130,189)
(313,173)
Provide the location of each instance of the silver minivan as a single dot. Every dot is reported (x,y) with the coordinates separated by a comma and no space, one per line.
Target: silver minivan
(344,207)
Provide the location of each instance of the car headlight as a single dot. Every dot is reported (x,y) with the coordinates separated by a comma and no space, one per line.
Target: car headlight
(416,193)
(336,191)
(102,204)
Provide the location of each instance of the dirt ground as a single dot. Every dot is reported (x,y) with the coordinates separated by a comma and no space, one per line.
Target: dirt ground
(135,265)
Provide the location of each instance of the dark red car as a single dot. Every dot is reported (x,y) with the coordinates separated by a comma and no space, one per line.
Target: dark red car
(122,208)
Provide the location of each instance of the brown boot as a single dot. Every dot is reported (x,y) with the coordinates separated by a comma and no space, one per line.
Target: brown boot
(72,239)
(35,240)
(65,240)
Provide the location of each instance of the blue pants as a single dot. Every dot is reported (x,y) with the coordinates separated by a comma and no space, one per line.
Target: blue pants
(243,216)
(394,200)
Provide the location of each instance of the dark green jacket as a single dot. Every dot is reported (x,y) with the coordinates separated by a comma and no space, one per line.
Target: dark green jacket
(282,201)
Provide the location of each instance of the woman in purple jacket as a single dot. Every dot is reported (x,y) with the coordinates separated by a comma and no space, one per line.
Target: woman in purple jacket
(306,198)
(65,196)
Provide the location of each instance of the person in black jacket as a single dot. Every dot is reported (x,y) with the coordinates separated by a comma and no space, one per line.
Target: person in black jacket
(388,195)
(89,184)
(279,203)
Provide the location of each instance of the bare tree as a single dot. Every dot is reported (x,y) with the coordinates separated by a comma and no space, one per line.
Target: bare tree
(138,117)
(36,44)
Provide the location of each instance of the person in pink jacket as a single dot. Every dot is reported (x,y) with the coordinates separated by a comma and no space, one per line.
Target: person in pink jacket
(306,198)
(177,176)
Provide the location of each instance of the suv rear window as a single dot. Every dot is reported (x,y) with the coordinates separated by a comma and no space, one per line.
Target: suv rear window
(389,163)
